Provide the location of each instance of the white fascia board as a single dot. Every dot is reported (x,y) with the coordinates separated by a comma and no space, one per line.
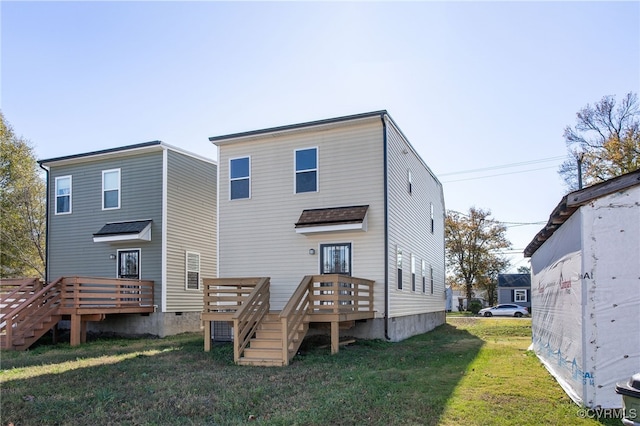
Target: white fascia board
(333,228)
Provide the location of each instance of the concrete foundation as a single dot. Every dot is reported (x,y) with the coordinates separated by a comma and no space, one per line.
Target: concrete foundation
(398,329)
(159,324)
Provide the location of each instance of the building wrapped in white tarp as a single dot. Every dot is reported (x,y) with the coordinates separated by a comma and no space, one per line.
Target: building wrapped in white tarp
(585,290)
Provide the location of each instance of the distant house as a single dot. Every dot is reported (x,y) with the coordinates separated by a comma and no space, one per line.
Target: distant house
(515,288)
(145,211)
(585,266)
(347,195)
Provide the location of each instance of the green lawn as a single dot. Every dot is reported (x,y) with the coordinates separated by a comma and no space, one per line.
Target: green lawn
(469,371)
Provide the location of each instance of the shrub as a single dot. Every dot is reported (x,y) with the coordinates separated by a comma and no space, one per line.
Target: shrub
(475,306)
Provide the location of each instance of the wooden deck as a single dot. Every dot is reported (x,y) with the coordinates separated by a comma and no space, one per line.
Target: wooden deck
(30,308)
(266,337)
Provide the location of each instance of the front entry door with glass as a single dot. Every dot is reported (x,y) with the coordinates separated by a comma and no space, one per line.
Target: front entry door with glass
(129,264)
(336,259)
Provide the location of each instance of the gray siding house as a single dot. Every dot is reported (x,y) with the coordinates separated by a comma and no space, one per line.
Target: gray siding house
(345,195)
(145,211)
(515,288)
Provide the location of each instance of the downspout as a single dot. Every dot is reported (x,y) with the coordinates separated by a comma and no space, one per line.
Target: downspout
(386,230)
(46,231)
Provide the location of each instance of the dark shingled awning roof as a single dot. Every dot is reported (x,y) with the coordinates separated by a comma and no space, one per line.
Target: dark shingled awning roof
(122,228)
(332,216)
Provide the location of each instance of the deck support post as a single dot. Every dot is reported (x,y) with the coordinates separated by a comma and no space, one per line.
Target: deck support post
(76,330)
(207,336)
(335,337)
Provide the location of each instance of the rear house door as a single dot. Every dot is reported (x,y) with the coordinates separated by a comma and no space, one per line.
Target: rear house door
(336,259)
(129,264)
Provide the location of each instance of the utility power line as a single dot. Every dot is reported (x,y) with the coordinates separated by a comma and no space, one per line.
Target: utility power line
(501,174)
(504,166)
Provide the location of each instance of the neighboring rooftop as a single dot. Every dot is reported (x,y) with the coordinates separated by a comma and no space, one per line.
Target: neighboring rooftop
(122,150)
(514,280)
(574,200)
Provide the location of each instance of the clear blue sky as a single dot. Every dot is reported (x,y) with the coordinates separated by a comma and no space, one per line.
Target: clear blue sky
(472,84)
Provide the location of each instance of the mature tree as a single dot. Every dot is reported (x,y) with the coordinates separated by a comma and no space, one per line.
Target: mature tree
(524,269)
(22,207)
(489,280)
(473,242)
(606,140)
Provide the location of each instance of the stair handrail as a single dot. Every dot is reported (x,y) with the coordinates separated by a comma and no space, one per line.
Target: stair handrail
(249,316)
(28,284)
(8,318)
(293,315)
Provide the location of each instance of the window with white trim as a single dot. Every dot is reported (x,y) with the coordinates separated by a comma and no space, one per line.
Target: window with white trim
(424,276)
(63,195)
(110,189)
(306,167)
(413,273)
(519,295)
(432,221)
(239,178)
(399,267)
(431,277)
(192,278)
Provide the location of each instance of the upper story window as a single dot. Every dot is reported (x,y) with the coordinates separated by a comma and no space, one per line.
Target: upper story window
(63,195)
(239,178)
(432,221)
(306,170)
(110,189)
(409,182)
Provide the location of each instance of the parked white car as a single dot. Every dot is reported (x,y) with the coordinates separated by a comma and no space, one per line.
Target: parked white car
(506,310)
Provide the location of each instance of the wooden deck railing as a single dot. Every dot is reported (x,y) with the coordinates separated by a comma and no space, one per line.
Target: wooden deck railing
(293,317)
(222,298)
(25,305)
(87,295)
(338,294)
(248,317)
(30,309)
(14,291)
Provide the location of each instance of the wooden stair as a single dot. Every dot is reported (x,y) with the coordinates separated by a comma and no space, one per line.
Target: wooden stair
(30,333)
(29,311)
(265,347)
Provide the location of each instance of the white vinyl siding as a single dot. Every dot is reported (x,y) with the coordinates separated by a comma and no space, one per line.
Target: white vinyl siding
(191,193)
(267,229)
(409,225)
(110,189)
(192,276)
(63,195)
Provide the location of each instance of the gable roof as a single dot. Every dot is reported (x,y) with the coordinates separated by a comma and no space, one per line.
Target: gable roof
(574,200)
(514,280)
